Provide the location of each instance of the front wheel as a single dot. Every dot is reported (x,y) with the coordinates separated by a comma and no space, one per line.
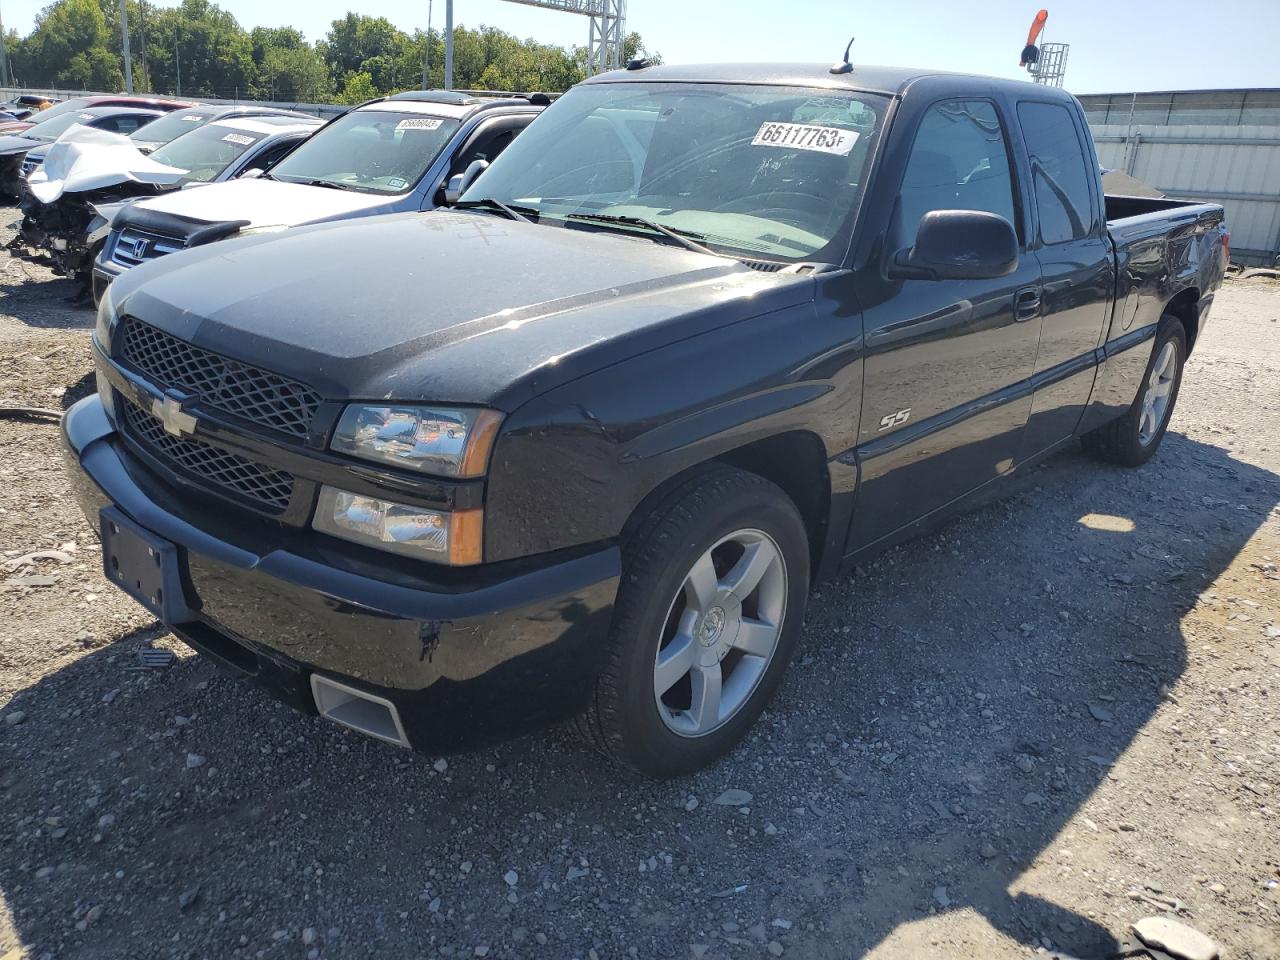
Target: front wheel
(1133,439)
(713,592)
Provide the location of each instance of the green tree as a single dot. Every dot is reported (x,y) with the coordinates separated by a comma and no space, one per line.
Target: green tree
(357,88)
(70,46)
(203,45)
(295,74)
(363,44)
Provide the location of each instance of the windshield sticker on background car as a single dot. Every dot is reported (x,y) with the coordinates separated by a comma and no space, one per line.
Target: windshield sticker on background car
(239,138)
(85,116)
(420,123)
(803,136)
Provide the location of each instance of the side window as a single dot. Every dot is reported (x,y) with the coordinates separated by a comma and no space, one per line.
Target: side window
(1060,172)
(958,162)
(271,156)
(492,139)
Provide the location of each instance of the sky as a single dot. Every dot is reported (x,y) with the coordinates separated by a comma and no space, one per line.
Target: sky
(1117,46)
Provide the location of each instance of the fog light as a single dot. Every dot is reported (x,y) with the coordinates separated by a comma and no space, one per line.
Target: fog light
(437,535)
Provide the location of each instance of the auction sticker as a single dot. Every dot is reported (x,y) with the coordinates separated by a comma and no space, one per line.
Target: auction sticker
(191,118)
(239,138)
(804,136)
(421,123)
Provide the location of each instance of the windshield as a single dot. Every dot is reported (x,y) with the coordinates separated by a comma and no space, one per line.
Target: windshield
(56,127)
(755,171)
(171,126)
(206,151)
(372,151)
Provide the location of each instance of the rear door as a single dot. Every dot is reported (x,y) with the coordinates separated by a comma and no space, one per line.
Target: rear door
(1076,266)
(948,363)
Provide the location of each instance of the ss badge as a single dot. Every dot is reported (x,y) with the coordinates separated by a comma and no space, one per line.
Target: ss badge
(895,419)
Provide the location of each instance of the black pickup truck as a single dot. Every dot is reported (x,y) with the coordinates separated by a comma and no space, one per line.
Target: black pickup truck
(700,337)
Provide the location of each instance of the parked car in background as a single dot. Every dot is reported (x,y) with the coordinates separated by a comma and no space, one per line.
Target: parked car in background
(80,103)
(390,155)
(699,337)
(65,223)
(181,122)
(22,153)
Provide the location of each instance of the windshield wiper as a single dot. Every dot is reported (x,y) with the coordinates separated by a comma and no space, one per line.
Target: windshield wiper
(330,184)
(678,236)
(489,203)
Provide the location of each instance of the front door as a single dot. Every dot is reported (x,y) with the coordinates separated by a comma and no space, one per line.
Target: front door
(948,363)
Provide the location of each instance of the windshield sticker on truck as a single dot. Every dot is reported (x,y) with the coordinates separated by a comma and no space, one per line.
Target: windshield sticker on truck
(803,136)
(239,138)
(397,183)
(420,123)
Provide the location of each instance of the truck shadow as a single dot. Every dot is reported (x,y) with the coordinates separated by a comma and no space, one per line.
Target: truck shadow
(953,707)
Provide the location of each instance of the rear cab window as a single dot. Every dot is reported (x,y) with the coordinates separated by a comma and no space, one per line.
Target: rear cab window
(1060,172)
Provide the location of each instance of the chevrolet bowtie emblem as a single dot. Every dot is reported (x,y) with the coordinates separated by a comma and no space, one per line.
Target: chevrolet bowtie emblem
(176,421)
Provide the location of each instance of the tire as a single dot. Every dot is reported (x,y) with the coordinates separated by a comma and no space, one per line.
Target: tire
(1132,440)
(673,609)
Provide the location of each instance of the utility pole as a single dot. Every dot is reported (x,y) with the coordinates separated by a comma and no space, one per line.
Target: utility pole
(426,52)
(128,60)
(5,77)
(142,46)
(177,59)
(448,44)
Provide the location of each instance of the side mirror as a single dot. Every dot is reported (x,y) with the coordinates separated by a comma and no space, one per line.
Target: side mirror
(959,245)
(252,174)
(459,182)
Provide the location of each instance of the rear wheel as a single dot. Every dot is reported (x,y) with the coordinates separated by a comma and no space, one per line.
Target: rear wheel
(714,586)
(1133,439)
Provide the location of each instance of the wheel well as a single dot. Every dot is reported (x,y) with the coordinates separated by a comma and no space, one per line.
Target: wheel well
(796,462)
(1185,306)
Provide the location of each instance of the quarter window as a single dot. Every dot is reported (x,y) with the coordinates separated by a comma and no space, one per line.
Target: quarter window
(1059,172)
(958,162)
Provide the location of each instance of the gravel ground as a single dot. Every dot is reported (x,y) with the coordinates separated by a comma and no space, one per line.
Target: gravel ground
(1020,733)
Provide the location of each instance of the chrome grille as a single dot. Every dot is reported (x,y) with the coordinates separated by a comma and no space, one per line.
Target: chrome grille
(135,246)
(269,488)
(229,385)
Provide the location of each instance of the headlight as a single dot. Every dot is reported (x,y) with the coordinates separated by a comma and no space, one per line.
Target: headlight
(398,528)
(437,440)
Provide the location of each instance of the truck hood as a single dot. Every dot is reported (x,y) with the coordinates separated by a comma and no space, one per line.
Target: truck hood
(264,203)
(444,306)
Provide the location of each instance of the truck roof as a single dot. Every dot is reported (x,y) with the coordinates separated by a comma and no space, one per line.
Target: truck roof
(865,78)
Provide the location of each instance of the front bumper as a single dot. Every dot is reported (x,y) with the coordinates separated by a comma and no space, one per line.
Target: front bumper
(464,665)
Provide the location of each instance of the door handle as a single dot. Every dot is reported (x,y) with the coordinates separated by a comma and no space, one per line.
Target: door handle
(1026,305)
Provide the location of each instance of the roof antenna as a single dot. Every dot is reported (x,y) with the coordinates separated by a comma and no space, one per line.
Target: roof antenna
(844,66)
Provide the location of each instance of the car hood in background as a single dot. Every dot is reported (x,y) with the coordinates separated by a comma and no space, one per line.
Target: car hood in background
(444,306)
(87,159)
(12,143)
(265,203)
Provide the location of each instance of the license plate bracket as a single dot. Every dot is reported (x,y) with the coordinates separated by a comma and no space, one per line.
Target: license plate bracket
(143,565)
